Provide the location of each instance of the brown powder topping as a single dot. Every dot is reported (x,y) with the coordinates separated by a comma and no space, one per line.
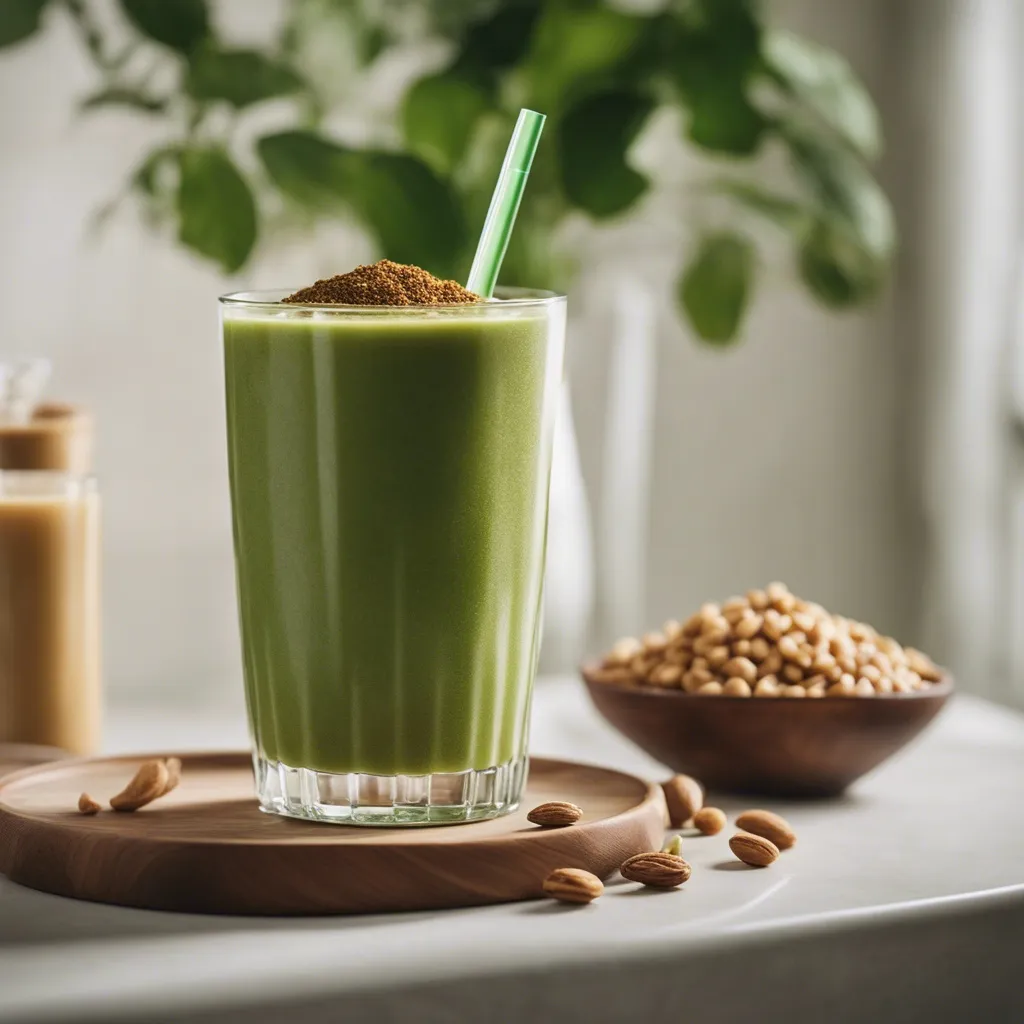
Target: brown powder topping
(384,284)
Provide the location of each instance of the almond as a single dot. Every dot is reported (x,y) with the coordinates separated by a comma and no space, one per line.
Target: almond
(770,826)
(86,805)
(555,814)
(573,885)
(709,820)
(657,870)
(149,782)
(756,851)
(684,798)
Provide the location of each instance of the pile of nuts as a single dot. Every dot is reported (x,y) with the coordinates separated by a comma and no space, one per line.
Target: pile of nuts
(768,644)
(761,838)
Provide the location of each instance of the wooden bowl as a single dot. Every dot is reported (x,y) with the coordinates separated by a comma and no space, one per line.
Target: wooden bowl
(774,747)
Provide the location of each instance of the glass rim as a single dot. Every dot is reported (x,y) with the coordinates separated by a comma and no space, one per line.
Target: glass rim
(509,299)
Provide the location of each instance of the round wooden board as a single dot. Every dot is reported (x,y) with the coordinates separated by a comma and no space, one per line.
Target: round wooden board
(207,848)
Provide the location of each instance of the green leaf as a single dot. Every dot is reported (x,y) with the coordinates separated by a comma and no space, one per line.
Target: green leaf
(593,140)
(573,46)
(122,96)
(240,77)
(716,45)
(19,19)
(715,287)
(779,209)
(307,168)
(413,213)
(725,122)
(180,24)
(845,253)
(216,211)
(439,115)
(500,39)
(836,266)
(715,48)
(823,81)
(843,187)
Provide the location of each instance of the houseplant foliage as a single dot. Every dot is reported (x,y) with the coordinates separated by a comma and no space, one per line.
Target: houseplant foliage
(599,70)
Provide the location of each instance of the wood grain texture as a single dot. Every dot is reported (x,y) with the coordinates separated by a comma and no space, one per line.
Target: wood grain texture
(207,848)
(776,747)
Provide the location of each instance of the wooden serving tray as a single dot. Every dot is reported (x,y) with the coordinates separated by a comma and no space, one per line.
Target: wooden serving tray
(207,848)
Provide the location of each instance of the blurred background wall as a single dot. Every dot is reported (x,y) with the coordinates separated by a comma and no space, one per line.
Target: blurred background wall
(796,455)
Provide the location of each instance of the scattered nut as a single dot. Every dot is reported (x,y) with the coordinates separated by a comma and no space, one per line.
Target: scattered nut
(573,885)
(769,826)
(86,805)
(710,820)
(148,783)
(555,814)
(684,797)
(657,870)
(756,851)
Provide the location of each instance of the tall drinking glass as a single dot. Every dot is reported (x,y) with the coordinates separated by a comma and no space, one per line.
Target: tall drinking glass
(389,483)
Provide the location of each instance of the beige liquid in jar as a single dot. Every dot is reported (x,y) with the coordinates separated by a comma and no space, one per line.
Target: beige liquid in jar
(49,610)
(56,437)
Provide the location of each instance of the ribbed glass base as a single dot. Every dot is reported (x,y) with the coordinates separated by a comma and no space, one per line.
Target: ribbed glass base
(356,799)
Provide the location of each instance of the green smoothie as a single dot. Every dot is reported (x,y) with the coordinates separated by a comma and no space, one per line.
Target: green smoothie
(389,480)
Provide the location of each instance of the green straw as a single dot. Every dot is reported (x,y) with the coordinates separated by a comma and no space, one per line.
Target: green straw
(501,214)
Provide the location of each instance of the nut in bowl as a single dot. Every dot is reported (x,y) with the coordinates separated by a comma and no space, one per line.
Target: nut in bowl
(768,693)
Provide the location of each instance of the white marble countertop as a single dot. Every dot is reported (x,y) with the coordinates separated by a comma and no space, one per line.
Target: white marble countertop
(924,856)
